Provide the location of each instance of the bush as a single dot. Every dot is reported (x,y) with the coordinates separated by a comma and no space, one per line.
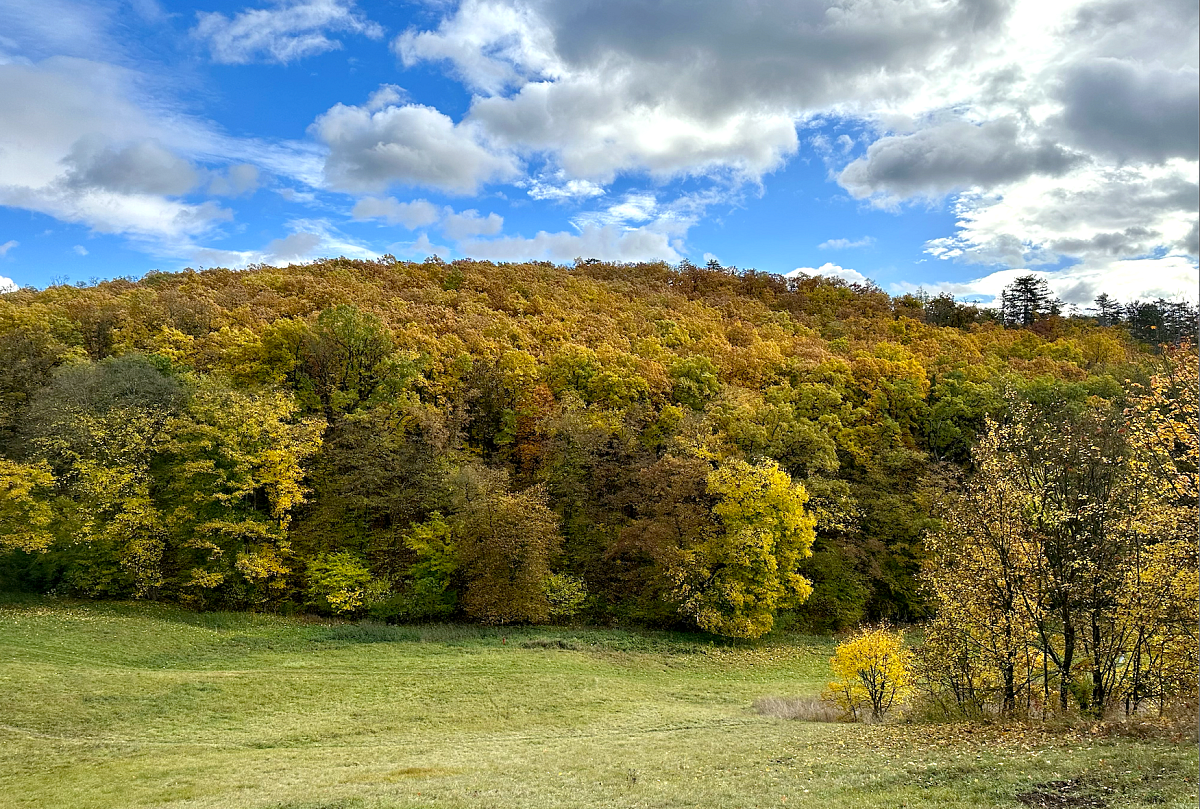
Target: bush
(873,670)
(342,584)
(565,594)
(426,599)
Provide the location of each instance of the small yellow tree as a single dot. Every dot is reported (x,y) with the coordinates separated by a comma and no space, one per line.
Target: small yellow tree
(873,670)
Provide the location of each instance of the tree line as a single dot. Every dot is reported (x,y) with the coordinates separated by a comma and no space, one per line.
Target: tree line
(670,446)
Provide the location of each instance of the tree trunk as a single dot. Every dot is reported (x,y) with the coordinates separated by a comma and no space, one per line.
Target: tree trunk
(1099,692)
(1064,672)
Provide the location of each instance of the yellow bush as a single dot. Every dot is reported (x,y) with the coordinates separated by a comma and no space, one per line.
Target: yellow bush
(873,671)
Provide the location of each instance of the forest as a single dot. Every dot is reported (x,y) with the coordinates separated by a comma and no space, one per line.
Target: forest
(678,447)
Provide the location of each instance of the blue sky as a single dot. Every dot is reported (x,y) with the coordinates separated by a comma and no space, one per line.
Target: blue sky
(948,144)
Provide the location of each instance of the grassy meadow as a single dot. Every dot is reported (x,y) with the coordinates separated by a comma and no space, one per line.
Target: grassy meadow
(107,705)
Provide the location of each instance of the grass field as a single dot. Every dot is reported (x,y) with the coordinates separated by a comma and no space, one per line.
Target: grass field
(118,705)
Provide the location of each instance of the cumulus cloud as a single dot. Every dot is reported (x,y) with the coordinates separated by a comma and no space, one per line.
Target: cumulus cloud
(144,167)
(310,239)
(1096,213)
(492,46)
(1169,277)
(954,155)
(411,215)
(1132,111)
(470,223)
(829,270)
(79,250)
(296,247)
(681,88)
(287,31)
(370,149)
(75,144)
(420,213)
(419,248)
(1015,108)
(609,243)
(595,133)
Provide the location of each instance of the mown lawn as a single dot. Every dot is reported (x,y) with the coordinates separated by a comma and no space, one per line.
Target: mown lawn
(119,705)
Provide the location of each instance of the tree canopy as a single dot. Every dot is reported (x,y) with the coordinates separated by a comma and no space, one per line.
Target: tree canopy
(672,446)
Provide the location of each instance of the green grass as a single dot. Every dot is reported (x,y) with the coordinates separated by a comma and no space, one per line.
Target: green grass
(120,705)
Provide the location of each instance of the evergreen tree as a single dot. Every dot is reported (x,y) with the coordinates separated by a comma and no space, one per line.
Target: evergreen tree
(1108,310)
(1026,300)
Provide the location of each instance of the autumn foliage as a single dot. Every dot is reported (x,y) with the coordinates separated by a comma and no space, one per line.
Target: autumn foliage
(1065,572)
(874,674)
(693,447)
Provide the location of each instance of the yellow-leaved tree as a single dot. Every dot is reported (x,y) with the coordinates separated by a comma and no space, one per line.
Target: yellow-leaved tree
(736,578)
(26,517)
(873,668)
(1065,573)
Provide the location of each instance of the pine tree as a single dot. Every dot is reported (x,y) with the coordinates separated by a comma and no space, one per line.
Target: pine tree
(1108,310)
(1026,300)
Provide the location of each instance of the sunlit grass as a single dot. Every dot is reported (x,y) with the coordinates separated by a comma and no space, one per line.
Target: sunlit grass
(114,705)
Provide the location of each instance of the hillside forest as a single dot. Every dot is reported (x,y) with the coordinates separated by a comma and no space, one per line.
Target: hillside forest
(691,447)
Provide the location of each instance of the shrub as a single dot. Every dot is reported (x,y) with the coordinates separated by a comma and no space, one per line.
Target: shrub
(342,584)
(873,670)
(424,599)
(565,594)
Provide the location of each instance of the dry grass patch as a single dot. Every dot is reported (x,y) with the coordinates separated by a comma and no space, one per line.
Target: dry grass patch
(805,709)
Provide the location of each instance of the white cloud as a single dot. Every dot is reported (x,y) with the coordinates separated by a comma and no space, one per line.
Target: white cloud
(1131,110)
(289,30)
(142,167)
(80,250)
(235,181)
(8,245)
(411,215)
(676,88)
(609,243)
(635,207)
(293,248)
(846,244)
(560,189)
(300,197)
(421,213)
(469,223)
(77,145)
(829,270)
(595,132)
(1091,214)
(492,46)
(408,145)
(954,155)
(1170,277)
(1065,130)
(310,239)
(420,248)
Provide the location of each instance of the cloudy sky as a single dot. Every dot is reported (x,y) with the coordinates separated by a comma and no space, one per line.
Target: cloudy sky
(949,144)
